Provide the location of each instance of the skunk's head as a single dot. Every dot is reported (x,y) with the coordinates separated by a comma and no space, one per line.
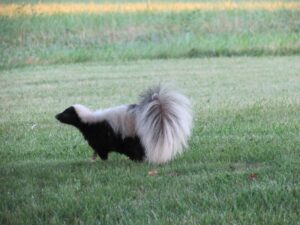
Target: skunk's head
(69,116)
(76,115)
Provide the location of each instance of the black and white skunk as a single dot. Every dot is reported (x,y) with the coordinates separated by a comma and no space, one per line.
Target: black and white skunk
(154,130)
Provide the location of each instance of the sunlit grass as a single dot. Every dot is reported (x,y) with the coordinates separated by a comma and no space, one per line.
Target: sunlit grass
(95,8)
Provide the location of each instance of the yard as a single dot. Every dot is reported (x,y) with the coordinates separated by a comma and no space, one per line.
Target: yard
(241,167)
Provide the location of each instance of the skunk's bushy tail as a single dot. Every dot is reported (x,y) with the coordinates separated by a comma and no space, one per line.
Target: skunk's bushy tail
(163,123)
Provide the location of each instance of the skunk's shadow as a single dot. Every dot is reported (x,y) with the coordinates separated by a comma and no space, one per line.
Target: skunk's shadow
(64,170)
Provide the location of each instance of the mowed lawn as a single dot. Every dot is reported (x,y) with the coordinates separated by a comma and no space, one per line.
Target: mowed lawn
(241,167)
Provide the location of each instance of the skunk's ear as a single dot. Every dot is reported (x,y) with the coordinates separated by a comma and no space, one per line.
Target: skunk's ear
(68,116)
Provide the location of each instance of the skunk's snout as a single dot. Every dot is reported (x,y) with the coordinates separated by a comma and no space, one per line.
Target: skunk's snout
(62,117)
(58,116)
(68,116)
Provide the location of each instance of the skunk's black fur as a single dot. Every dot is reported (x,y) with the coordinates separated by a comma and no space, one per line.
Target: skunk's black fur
(154,130)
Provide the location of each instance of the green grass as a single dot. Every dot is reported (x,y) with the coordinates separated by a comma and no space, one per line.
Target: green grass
(60,39)
(246,121)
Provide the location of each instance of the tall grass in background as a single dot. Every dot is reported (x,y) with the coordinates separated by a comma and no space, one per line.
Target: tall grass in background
(69,38)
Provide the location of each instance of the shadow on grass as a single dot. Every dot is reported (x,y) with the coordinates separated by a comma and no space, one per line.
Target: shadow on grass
(120,168)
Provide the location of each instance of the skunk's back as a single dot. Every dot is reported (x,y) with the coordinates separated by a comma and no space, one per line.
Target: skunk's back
(163,123)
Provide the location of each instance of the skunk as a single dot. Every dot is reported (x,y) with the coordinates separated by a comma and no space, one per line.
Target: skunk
(155,129)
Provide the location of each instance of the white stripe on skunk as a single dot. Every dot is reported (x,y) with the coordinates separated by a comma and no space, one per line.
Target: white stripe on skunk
(162,120)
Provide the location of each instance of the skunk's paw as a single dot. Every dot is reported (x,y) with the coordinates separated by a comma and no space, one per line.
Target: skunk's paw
(94,157)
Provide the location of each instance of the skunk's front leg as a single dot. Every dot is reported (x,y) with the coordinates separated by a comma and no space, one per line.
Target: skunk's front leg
(103,154)
(94,156)
(98,150)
